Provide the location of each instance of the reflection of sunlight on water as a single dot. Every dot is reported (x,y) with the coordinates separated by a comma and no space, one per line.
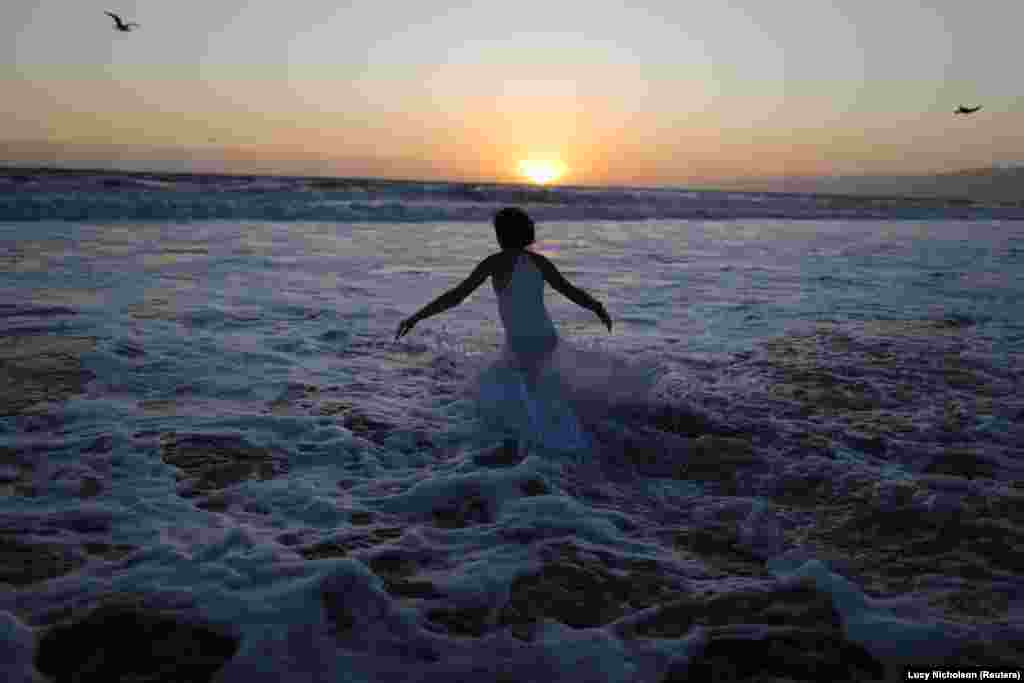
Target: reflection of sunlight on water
(251,245)
(283,260)
(156,303)
(179,284)
(322,240)
(157,261)
(69,297)
(327,280)
(28,265)
(104,248)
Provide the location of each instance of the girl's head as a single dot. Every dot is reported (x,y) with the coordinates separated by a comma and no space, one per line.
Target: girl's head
(514,228)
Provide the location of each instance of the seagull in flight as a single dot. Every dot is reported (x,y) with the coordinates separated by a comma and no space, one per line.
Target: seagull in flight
(120,24)
(966,110)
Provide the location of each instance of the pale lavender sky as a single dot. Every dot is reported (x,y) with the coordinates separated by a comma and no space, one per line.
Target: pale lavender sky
(668,93)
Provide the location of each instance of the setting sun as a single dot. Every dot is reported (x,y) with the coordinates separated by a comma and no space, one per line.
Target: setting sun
(541,172)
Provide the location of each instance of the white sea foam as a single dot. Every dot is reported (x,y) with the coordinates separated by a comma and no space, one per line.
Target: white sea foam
(279,335)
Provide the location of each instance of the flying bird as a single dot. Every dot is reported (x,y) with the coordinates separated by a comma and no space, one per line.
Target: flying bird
(966,110)
(120,24)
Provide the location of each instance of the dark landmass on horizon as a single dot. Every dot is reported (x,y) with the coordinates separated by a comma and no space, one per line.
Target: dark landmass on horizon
(990,184)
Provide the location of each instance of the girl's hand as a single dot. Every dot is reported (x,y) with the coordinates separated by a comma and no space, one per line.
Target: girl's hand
(603,315)
(405,326)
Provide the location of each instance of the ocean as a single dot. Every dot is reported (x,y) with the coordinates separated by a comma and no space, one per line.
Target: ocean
(217,464)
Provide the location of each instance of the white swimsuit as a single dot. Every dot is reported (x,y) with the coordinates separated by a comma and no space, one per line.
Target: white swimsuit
(528,327)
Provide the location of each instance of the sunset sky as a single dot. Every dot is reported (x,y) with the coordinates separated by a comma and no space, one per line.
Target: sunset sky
(614,93)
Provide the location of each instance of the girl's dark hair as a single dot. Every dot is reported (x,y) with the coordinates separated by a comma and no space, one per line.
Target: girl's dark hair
(513,227)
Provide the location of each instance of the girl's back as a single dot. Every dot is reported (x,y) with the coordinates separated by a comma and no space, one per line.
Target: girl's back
(519,286)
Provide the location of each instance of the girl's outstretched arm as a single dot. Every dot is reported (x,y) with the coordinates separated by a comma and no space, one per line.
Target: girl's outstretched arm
(453,297)
(570,291)
(441,303)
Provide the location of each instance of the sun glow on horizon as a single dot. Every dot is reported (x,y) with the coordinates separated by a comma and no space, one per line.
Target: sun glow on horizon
(541,172)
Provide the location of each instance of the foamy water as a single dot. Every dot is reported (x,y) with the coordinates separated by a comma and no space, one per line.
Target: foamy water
(384,535)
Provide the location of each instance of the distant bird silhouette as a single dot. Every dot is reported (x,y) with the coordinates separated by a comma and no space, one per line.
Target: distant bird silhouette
(966,110)
(120,24)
